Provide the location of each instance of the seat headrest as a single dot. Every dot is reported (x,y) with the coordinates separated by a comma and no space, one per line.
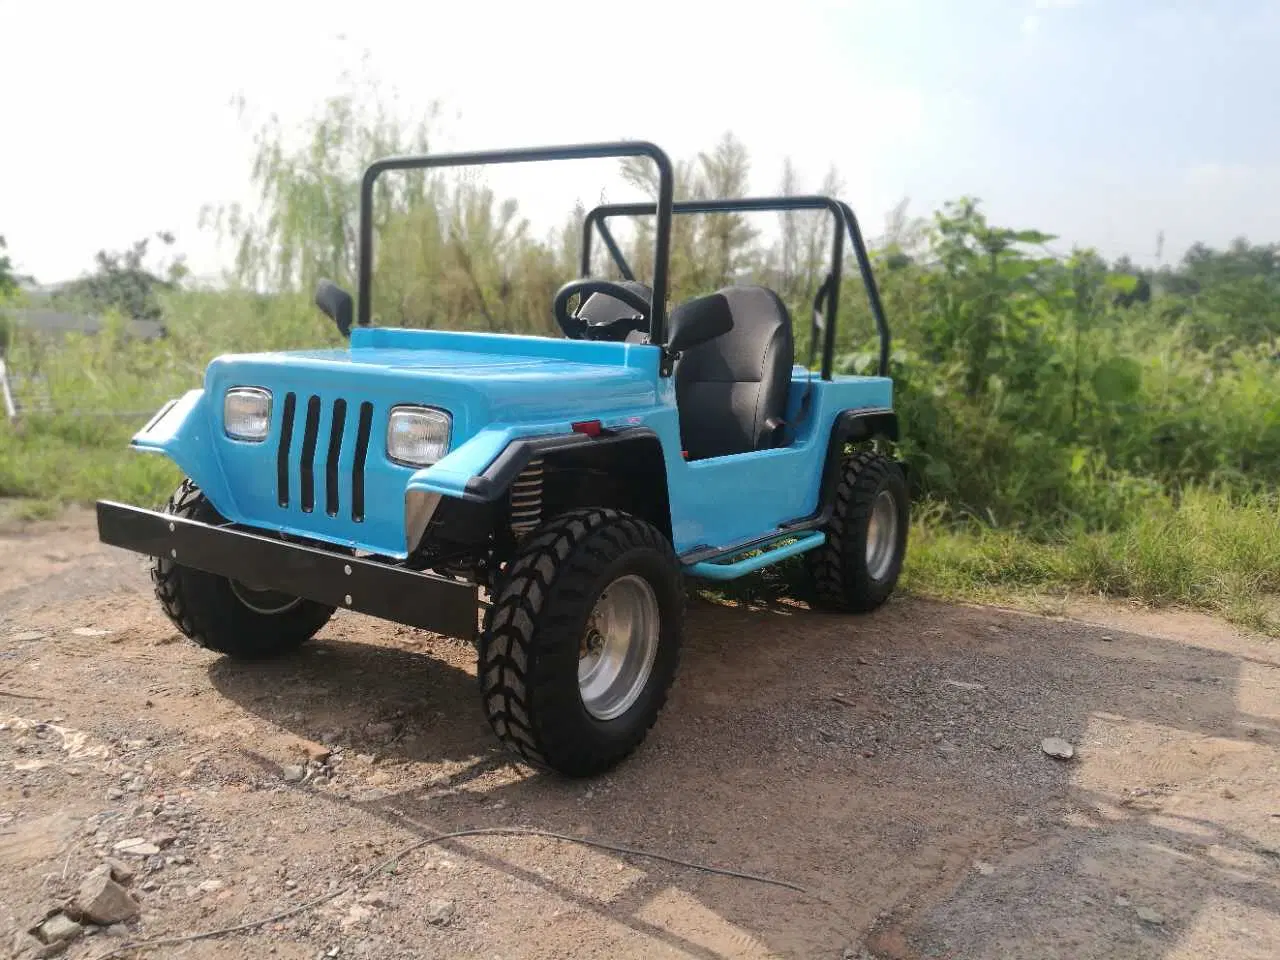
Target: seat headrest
(759,318)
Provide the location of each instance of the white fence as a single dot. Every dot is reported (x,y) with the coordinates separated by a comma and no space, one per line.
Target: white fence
(23,395)
(6,392)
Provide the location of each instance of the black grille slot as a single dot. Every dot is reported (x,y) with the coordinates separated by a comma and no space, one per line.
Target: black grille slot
(357,468)
(282,457)
(335,449)
(307,466)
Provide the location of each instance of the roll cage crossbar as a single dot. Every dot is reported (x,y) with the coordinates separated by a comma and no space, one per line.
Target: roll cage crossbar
(828,294)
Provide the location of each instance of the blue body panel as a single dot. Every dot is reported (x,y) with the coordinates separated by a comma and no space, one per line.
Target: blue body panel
(497,388)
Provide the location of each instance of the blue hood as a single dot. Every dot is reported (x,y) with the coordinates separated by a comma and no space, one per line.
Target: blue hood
(479,378)
(323,472)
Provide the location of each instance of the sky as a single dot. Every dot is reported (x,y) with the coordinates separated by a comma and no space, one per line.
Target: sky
(1105,122)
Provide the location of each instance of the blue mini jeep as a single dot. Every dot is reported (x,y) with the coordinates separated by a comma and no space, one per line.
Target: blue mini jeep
(576,483)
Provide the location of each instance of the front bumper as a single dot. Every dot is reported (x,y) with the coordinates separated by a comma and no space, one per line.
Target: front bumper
(393,593)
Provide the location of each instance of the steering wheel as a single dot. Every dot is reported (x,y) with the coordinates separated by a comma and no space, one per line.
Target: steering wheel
(579,328)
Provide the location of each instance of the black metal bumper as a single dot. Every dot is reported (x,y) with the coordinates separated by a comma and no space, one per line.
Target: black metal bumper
(392,593)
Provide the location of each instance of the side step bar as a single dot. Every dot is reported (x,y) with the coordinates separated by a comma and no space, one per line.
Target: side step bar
(712,570)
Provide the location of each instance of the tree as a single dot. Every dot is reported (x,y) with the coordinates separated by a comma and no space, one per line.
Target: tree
(985,293)
(122,282)
(8,279)
(8,286)
(310,195)
(1137,292)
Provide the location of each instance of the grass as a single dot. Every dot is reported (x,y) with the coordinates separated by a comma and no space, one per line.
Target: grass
(50,464)
(21,510)
(1208,550)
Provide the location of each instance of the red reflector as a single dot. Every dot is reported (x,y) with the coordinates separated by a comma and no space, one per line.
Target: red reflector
(590,427)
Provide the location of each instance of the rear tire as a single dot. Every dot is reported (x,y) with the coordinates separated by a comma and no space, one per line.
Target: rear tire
(224,615)
(857,569)
(581,643)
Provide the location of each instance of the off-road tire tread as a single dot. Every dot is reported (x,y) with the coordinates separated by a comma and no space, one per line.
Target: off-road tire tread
(544,592)
(211,628)
(835,584)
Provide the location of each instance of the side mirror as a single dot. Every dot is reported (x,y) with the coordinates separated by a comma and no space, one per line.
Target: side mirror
(336,304)
(698,321)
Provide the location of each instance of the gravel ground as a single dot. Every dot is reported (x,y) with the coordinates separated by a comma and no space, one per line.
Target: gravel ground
(890,765)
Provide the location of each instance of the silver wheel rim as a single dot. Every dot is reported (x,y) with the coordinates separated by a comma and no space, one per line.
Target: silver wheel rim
(618,648)
(266,602)
(882,535)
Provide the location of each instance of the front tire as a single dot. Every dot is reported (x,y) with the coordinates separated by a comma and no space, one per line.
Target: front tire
(857,569)
(221,614)
(581,643)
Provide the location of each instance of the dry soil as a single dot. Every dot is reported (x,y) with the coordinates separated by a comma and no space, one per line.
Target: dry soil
(890,765)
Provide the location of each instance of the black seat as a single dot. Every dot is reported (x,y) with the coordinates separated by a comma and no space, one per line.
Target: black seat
(732,391)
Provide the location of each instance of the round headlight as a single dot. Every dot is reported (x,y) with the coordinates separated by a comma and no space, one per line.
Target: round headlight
(417,436)
(246,413)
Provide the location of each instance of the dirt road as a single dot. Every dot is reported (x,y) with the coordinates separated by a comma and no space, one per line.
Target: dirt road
(890,765)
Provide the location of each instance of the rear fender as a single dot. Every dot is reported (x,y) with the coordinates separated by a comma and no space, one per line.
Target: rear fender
(183,431)
(852,426)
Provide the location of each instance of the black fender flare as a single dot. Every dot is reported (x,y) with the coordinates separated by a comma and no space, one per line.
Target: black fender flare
(852,426)
(506,466)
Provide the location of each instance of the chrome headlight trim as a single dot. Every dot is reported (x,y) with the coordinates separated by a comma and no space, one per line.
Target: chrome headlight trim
(427,428)
(246,413)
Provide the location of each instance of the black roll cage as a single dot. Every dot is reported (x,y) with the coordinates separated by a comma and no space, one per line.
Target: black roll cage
(828,290)
(582,151)
(663,209)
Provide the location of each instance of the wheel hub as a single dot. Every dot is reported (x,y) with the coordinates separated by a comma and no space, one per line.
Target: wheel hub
(266,602)
(618,647)
(592,641)
(882,535)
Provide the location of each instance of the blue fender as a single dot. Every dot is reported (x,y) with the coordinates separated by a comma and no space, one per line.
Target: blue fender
(182,431)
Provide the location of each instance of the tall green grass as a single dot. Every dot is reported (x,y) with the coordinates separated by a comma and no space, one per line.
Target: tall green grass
(1208,549)
(93,392)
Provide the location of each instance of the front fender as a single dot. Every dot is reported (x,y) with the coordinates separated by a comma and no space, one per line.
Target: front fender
(450,475)
(182,430)
(457,473)
(481,469)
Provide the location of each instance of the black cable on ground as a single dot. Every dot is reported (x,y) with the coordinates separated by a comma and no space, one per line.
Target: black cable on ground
(440,838)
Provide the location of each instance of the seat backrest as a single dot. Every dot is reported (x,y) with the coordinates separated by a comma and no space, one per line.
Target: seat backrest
(731,392)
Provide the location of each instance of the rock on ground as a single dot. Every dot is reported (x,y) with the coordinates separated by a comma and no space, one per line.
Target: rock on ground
(136,847)
(103,901)
(440,911)
(58,929)
(1058,748)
